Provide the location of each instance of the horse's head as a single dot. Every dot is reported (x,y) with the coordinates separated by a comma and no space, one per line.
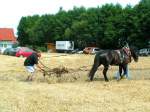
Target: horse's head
(134,53)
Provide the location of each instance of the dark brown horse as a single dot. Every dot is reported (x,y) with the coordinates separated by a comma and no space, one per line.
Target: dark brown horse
(119,58)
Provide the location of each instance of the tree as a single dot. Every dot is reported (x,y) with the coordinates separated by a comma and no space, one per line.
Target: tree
(104,26)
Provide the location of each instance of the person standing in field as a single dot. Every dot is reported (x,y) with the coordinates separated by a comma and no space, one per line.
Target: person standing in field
(126,49)
(30,63)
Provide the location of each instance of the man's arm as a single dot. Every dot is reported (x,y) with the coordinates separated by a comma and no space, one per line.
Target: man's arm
(41,68)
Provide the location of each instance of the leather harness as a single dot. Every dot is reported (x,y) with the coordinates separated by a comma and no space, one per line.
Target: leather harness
(121,56)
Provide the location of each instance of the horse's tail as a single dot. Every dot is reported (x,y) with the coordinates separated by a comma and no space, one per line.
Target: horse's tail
(94,67)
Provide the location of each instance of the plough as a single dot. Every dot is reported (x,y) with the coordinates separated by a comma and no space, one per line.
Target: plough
(60,70)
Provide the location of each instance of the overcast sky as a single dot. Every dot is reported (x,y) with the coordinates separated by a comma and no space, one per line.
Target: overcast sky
(11,11)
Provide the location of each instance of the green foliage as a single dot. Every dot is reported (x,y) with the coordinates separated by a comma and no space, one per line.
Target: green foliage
(43,49)
(104,26)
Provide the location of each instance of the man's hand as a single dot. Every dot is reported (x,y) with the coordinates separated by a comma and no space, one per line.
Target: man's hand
(42,69)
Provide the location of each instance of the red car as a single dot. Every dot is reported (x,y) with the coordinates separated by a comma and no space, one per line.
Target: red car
(24,52)
(90,50)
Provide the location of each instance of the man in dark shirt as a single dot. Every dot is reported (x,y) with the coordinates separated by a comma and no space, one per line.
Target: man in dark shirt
(30,62)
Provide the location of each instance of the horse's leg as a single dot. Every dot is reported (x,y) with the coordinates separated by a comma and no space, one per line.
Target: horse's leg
(105,72)
(120,72)
(93,70)
(125,69)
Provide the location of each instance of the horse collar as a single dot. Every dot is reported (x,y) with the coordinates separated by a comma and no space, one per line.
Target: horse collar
(127,51)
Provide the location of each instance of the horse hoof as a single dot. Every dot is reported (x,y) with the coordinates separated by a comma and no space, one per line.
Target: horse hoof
(90,80)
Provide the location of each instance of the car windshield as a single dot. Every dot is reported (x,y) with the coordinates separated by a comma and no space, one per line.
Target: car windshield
(96,49)
(143,50)
(16,49)
(26,49)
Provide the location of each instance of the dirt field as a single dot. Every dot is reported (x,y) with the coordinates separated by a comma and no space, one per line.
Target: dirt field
(72,92)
